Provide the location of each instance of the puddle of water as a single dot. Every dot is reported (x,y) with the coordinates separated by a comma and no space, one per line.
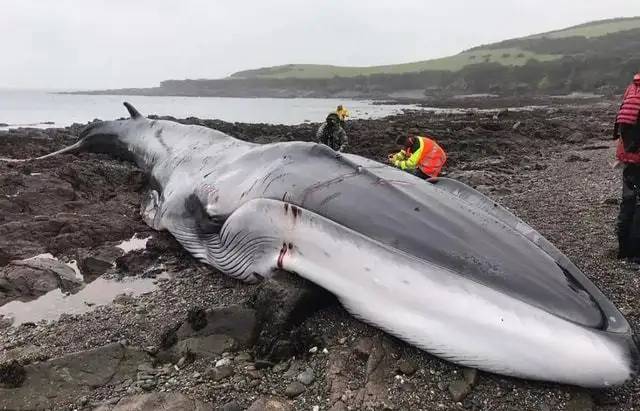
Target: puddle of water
(133,244)
(55,303)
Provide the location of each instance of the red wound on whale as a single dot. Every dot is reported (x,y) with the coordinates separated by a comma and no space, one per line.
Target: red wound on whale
(283,251)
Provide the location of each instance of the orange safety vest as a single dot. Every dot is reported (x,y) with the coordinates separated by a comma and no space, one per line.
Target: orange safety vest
(432,157)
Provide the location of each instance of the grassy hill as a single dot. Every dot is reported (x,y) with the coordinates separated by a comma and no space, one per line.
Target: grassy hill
(506,56)
(515,52)
(594,29)
(595,57)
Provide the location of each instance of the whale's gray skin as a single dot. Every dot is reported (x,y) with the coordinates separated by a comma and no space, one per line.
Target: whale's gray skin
(438,265)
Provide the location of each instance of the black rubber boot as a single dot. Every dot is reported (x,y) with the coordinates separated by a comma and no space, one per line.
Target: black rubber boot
(628,205)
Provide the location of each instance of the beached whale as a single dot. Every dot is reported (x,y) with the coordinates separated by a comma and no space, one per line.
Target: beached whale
(436,264)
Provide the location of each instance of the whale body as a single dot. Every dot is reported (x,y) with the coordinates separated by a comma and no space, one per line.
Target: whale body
(437,264)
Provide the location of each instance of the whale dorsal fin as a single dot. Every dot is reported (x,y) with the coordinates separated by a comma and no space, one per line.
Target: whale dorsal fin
(132,111)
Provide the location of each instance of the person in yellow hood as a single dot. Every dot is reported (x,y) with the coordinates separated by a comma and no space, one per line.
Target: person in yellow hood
(342,113)
(421,156)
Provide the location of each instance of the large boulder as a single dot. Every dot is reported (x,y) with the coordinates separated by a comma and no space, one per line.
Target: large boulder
(209,333)
(29,279)
(235,321)
(47,384)
(282,303)
(95,262)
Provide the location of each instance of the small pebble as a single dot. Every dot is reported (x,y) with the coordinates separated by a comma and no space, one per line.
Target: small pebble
(294,389)
(306,377)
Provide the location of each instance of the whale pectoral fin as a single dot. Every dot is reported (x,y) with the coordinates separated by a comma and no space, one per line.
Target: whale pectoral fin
(205,225)
(135,114)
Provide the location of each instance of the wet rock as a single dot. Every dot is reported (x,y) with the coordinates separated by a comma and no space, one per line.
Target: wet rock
(459,390)
(72,375)
(95,262)
(380,365)
(219,373)
(169,336)
(282,302)
(580,401)
(306,377)
(135,262)
(208,346)
(169,401)
(29,279)
(270,404)
(363,348)
(187,358)
(197,318)
(236,322)
(243,357)
(4,258)
(470,376)
(294,389)
(407,367)
(163,243)
(12,374)
(294,368)
(232,406)
(25,354)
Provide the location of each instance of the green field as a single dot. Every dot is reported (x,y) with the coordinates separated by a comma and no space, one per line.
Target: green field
(508,56)
(512,56)
(594,29)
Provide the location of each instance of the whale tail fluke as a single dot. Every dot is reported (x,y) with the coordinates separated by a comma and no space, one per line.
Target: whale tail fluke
(87,132)
(135,114)
(70,149)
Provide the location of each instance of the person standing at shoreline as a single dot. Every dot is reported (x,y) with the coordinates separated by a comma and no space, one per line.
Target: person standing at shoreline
(627,132)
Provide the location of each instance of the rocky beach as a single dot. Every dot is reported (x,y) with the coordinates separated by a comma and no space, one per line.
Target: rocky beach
(152,327)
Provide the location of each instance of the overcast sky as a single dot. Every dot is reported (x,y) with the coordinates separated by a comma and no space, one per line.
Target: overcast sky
(84,44)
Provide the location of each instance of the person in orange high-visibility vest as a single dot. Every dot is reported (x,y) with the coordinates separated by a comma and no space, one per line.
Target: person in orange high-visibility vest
(421,156)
